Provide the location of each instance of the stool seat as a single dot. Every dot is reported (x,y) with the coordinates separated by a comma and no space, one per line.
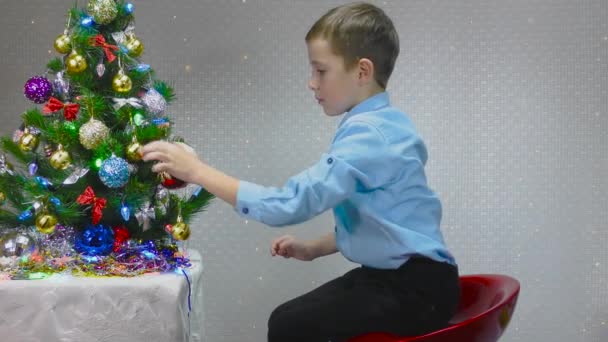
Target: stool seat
(487,302)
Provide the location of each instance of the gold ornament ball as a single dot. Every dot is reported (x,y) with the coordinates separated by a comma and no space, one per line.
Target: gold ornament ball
(181,231)
(135,46)
(28,142)
(103,11)
(92,133)
(63,44)
(133,154)
(121,83)
(75,63)
(2,198)
(46,223)
(60,159)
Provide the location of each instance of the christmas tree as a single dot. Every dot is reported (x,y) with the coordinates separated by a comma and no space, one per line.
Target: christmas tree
(76,196)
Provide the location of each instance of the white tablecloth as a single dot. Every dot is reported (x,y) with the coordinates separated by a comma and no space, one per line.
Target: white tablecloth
(64,308)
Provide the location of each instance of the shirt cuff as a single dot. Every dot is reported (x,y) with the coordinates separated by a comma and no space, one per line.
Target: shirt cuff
(247,200)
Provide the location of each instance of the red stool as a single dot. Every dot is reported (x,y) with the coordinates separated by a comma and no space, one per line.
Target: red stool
(486,306)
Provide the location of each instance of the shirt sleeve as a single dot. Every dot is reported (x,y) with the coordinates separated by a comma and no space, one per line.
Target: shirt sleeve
(356,161)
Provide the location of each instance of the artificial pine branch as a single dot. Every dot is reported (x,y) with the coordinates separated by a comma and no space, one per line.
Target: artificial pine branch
(55,65)
(11,186)
(151,133)
(8,145)
(196,205)
(34,117)
(8,220)
(165,90)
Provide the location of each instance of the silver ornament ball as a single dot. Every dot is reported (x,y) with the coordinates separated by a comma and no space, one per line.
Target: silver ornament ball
(17,244)
(155,102)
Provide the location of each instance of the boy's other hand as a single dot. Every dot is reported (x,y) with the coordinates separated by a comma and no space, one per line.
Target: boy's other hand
(288,246)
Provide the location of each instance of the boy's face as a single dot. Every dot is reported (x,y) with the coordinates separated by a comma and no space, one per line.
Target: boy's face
(335,88)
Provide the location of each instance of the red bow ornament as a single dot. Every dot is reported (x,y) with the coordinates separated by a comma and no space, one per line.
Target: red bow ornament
(121,235)
(100,41)
(88,197)
(69,109)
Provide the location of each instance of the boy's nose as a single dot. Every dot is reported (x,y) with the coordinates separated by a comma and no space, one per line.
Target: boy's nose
(311,85)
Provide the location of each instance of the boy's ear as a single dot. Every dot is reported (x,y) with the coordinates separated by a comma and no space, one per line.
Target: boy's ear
(366,70)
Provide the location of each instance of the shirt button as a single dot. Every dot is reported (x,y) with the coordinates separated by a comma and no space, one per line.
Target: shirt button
(245,211)
(330,160)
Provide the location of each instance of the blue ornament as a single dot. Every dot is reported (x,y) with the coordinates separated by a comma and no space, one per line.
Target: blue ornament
(160,121)
(43,182)
(95,240)
(142,68)
(87,21)
(33,169)
(114,172)
(125,212)
(129,8)
(26,215)
(56,201)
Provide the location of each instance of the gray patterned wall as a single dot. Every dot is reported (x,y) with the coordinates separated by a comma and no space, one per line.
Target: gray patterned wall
(510,96)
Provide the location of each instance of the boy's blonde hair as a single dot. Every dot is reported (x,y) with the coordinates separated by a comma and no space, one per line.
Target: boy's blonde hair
(360,30)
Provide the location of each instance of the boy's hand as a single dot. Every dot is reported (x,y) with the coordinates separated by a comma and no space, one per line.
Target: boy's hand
(288,246)
(178,159)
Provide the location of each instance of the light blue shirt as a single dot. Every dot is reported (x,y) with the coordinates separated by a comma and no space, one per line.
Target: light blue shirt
(373,178)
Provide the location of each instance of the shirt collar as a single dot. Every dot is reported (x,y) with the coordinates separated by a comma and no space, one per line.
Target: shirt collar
(370,104)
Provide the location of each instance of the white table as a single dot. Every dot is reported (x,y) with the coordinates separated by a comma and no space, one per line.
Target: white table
(63,308)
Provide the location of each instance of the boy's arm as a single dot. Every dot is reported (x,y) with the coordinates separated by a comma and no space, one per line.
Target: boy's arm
(218,183)
(358,159)
(325,245)
(181,161)
(288,246)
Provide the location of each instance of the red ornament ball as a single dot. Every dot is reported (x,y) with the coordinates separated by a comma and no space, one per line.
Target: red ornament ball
(170,182)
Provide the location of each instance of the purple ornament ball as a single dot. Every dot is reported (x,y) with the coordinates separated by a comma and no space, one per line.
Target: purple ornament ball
(38,89)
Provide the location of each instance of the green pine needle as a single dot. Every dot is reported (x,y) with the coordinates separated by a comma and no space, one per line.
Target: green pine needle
(11,147)
(55,65)
(165,90)
(34,117)
(9,220)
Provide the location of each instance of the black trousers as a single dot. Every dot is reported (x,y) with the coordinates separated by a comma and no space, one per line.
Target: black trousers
(418,297)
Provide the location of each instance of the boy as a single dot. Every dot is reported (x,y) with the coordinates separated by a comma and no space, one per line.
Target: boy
(387,218)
